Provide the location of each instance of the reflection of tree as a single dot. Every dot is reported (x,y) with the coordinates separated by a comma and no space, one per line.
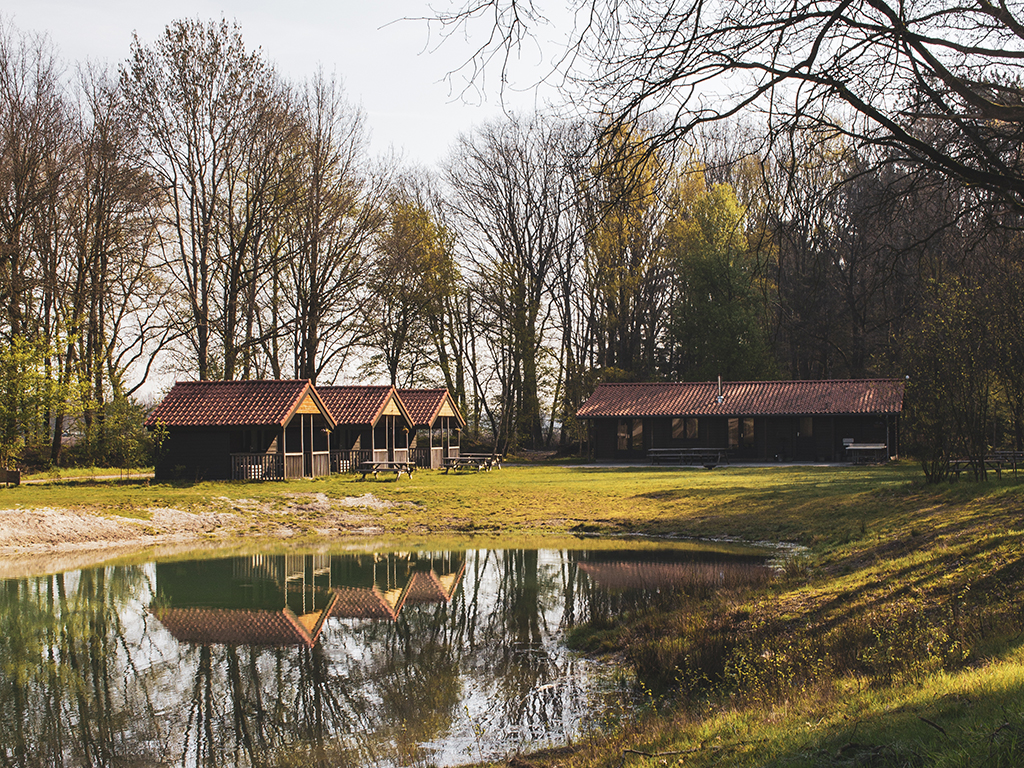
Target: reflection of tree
(88,676)
(63,654)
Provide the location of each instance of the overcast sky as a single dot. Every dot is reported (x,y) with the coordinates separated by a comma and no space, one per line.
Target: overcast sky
(394,68)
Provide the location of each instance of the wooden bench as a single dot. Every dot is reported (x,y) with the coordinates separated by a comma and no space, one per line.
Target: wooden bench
(709,458)
(398,467)
(10,477)
(478,461)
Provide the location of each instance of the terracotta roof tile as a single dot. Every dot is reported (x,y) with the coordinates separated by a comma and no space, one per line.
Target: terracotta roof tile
(424,404)
(631,575)
(229,403)
(746,398)
(362,603)
(356,405)
(426,587)
(232,626)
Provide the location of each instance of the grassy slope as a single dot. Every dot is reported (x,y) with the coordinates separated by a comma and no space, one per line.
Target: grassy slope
(897,642)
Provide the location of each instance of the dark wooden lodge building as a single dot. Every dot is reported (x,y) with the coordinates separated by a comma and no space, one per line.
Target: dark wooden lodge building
(242,430)
(437,425)
(372,425)
(827,420)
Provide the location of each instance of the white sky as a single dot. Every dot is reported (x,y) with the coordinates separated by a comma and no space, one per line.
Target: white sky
(392,67)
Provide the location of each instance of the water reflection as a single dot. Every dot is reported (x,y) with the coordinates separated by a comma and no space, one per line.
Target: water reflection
(400,658)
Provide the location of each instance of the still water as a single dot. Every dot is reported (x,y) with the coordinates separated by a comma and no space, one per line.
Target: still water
(399,658)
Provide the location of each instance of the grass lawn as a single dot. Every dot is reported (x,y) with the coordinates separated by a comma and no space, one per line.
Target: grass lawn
(895,639)
(803,505)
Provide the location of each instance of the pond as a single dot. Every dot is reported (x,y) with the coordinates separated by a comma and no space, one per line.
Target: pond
(376,658)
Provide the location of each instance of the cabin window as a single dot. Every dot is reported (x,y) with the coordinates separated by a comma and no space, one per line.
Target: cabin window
(631,434)
(741,433)
(806,427)
(684,429)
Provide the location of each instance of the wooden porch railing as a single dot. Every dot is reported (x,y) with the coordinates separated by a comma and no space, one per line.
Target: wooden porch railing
(321,463)
(420,457)
(349,460)
(293,466)
(257,466)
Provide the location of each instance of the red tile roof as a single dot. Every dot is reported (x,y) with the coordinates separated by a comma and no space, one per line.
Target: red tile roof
(631,575)
(362,603)
(230,403)
(360,405)
(425,404)
(746,398)
(232,626)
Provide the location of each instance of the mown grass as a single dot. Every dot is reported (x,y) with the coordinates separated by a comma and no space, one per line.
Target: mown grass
(895,639)
(799,504)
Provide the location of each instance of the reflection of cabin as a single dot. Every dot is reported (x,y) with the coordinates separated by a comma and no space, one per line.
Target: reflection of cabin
(259,600)
(438,425)
(379,586)
(242,430)
(654,570)
(754,420)
(373,425)
(287,599)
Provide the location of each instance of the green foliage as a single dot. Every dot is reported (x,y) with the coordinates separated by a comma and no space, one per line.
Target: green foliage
(718,316)
(29,394)
(411,283)
(949,356)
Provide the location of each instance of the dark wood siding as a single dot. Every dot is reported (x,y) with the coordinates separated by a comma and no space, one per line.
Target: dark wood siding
(776,438)
(195,454)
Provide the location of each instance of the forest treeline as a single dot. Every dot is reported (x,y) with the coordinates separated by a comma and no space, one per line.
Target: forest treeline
(192,214)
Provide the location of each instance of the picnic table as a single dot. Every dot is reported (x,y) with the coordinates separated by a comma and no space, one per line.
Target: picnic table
(996,461)
(10,476)
(865,453)
(709,458)
(398,467)
(478,461)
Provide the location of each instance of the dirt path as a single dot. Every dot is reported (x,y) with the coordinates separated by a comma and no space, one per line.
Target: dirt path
(52,538)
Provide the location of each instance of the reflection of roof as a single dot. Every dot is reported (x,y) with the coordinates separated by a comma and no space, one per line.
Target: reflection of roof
(372,603)
(232,403)
(234,626)
(746,398)
(362,405)
(634,575)
(425,587)
(424,405)
(363,603)
(428,587)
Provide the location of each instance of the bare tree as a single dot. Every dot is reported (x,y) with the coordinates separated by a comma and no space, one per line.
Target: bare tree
(884,73)
(195,96)
(511,192)
(338,210)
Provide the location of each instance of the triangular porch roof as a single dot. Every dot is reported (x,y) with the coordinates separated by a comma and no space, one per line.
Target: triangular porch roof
(426,405)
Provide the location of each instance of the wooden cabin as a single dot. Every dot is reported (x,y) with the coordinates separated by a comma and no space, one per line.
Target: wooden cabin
(242,430)
(827,420)
(372,425)
(266,600)
(381,585)
(437,425)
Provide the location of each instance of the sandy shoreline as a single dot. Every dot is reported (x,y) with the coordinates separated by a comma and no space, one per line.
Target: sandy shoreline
(47,539)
